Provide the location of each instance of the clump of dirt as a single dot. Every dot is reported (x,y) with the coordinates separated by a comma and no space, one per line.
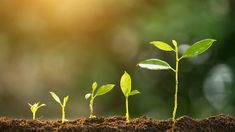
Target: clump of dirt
(219,123)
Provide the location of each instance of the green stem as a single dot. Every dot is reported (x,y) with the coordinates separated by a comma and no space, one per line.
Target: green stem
(63,114)
(127,111)
(34,115)
(176,83)
(91,107)
(91,104)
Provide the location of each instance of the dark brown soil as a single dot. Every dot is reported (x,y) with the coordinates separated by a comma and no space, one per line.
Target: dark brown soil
(219,123)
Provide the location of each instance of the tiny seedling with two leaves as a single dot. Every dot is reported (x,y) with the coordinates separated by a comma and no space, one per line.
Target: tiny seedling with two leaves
(57,99)
(34,108)
(125,85)
(97,92)
(156,64)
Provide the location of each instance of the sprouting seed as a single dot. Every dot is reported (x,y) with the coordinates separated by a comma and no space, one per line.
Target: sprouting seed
(34,108)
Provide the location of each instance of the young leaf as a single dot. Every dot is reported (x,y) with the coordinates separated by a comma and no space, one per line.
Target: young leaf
(198,48)
(41,105)
(30,105)
(174,43)
(154,64)
(125,84)
(94,85)
(134,92)
(57,99)
(161,45)
(104,89)
(65,100)
(87,96)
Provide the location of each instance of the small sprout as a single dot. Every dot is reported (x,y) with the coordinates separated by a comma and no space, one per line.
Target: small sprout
(156,64)
(87,96)
(57,99)
(34,108)
(125,84)
(94,93)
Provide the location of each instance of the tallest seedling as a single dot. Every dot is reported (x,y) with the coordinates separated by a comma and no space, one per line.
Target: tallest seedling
(156,64)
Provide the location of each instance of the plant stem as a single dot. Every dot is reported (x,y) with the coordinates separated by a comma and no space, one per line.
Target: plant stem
(176,82)
(91,107)
(63,114)
(127,111)
(91,104)
(34,114)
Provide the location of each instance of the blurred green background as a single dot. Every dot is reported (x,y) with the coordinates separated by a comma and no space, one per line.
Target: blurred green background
(64,46)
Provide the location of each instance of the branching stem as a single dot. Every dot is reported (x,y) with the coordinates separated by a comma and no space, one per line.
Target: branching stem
(176,82)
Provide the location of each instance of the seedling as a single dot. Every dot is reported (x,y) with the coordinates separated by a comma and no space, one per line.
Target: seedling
(34,108)
(156,64)
(57,99)
(94,93)
(125,84)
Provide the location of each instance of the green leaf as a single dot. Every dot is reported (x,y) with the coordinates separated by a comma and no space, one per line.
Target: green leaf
(88,95)
(134,92)
(198,48)
(161,45)
(125,84)
(30,104)
(174,43)
(65,100)
(41,105)
(104,89)
(57,99)
(154,64)
(94,85)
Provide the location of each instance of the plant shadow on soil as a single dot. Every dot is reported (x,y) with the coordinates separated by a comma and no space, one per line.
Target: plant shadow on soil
(219,123)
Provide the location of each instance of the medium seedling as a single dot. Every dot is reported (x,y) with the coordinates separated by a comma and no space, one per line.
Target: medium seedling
(94,93)
(57,99)
(125,84)
(34,108)
(156,64)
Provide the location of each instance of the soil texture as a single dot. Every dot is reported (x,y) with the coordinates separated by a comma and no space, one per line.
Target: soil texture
(219,123)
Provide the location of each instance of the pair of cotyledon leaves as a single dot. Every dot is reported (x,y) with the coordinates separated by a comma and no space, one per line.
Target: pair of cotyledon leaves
(57,99)
(196,49)
(101,90)
(125,84)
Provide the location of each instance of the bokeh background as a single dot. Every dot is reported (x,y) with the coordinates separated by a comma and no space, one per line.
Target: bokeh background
(64,46)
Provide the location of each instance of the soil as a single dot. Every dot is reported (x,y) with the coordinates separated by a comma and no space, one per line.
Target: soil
(219,123)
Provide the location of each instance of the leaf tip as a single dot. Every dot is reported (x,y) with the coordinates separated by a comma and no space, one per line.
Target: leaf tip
(152,42)
(213,40)
(94,85)
(174,42)
(52,92)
